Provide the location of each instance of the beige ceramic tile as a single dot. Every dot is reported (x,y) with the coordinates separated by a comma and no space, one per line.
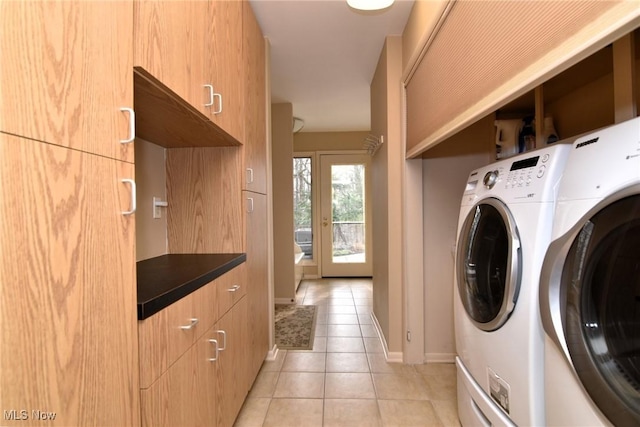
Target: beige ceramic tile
(253,412)
(447,412)
(304,362)
(369,331)
(319,344)
(345,345)
(373,345)
(274,365)
(441,387)
(408,413)
(365,319)
(364,309)
(294,413)
(342,319)
(363,301)
(401,387)
(437,369)
(351,413)
(347,362)
(306,385)
(265,384)
(321,330)
(342,309)
(349,386)
(341,302)
(344,331)
(378,364)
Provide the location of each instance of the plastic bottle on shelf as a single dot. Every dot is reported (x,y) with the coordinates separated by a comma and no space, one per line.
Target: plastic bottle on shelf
(549,134)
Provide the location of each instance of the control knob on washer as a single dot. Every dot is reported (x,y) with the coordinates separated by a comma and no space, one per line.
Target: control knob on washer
(490,179)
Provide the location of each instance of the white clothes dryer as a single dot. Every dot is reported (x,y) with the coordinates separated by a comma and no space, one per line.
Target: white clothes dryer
(590,284)
(504,229)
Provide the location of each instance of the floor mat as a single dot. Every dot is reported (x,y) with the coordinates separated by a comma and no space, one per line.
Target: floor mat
(295,326)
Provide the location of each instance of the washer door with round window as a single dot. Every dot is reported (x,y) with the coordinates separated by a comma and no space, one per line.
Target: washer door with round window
(489,264)
(601,281)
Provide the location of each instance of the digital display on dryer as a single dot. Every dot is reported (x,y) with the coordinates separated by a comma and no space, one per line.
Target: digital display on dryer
(526,163)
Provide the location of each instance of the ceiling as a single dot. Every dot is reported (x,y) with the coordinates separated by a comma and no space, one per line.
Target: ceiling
(323,57)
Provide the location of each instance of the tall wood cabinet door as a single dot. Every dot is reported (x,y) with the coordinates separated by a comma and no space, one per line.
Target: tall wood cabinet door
(67,286)
(258,287)
(170,44)
(231,388)
(66,72)
(255,103)
(225,66)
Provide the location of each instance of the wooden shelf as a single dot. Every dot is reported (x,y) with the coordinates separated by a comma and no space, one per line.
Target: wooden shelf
(165,119)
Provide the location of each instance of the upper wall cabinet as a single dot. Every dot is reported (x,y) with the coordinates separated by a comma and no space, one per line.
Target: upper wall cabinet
(225,67)
(486,54)
(255,104)
(68,88)
(195,49)
(170,44)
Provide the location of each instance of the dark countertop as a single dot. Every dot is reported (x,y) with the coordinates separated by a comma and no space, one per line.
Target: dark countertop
(165,279)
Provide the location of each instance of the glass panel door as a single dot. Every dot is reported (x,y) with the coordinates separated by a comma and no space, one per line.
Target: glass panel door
(346,234)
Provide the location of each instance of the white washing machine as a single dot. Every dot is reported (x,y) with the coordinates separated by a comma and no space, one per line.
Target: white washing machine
(590,284)
(504,229)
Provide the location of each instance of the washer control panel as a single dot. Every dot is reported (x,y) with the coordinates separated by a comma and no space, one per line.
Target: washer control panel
(528,177)
(523,172)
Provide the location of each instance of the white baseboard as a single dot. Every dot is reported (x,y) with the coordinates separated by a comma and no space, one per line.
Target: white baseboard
(284,300)
(393,357)
(439,357)
(272,354)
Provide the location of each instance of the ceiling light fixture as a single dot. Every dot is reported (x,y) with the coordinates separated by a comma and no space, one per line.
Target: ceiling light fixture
(370,4)
(298,124)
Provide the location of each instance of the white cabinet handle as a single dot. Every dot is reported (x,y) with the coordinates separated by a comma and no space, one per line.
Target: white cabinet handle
(215,344)
(224,338)
(249,175)
(250,204)
(132,125)
(210,88)
(133,195)
(193,323)
(234,288)
(219,96)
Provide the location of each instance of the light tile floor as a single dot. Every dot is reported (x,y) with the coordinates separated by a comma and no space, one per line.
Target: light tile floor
(345,380)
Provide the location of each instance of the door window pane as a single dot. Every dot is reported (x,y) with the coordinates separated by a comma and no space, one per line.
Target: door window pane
(302,205)
(348,213)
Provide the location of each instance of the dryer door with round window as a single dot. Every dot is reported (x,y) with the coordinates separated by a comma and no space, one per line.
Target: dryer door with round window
(601,281)
(488,264)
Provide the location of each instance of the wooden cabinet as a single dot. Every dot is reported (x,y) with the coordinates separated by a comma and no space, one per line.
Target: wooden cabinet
(185,395)
(259,320)
(166,335)
(170,41)
(224,68)
(67,280)
(255,184)
(195,48)
(66,73)
(232,380)
(67,274)
(255,144)
(181,383)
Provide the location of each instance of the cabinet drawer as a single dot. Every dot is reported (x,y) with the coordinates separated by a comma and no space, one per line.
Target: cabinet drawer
(166,335)
(184,395)
(230,288)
